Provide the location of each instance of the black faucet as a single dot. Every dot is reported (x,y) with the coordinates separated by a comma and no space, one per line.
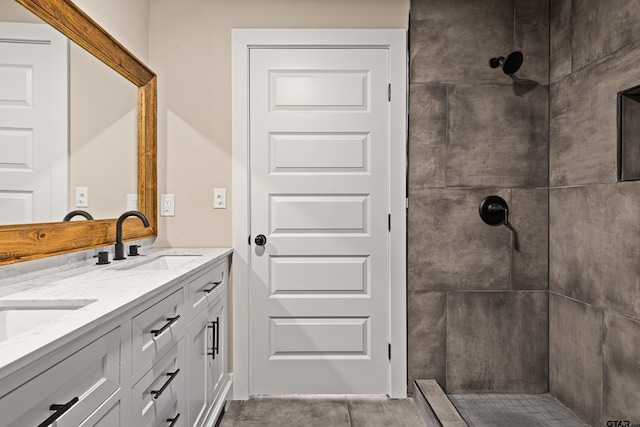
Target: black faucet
(71,214)
(119,246)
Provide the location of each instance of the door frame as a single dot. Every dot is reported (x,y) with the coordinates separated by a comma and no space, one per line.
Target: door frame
(395,40)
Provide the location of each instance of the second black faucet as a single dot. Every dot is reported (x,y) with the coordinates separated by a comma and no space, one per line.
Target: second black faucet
(119,250)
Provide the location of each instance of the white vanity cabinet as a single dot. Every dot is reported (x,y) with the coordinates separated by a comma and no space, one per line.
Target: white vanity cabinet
(209,383)
(160,361)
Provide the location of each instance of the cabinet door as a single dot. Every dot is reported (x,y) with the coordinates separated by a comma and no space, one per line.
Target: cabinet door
(198,339)
(218,360)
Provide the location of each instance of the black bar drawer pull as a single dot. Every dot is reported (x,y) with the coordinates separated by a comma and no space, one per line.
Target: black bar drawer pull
(215,339)
(60,410)
(215,285)
(173,420)
(170,321)
(217,347)
(171,375)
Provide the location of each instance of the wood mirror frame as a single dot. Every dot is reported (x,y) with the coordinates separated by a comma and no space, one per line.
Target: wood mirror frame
(33,241)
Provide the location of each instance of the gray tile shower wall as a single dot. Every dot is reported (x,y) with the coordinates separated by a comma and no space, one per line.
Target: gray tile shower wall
(427,340)
(594,234)
(595,244)
(621,368)
(497,341)
(474,132)
(497,135)
(583,118)
(575,353)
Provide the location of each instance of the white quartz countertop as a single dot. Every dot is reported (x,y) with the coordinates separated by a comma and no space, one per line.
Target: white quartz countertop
(110,289)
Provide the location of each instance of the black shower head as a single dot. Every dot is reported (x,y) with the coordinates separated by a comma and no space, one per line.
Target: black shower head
(510,65)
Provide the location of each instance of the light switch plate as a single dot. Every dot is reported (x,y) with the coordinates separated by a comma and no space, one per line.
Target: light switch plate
(219,198)
(82,197)
(132,202)
(167,205)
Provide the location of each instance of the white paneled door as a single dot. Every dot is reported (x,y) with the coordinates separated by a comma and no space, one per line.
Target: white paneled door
(33,124)
(319,197)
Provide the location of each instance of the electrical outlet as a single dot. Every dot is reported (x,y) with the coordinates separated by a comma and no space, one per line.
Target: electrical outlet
(82,197)
(132,202)
(219,198)
(167,205)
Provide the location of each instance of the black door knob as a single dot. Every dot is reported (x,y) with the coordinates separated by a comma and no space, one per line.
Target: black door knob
(260,240)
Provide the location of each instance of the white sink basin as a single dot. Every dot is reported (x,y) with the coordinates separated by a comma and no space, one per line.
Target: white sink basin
(162,262)
(18,316)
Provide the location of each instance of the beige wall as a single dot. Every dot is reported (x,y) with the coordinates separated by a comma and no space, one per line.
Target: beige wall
(191,53)
(11,11)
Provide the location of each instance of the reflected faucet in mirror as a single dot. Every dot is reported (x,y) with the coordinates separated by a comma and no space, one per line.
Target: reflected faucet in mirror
(119,251)
(71,214)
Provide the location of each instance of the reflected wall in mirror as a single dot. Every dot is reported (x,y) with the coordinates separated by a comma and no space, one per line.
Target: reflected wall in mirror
(98,126)
(103,145)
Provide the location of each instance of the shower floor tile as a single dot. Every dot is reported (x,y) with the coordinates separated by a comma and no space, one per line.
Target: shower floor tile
(506,410)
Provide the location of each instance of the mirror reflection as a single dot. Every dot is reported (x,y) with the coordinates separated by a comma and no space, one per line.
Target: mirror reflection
(100,151)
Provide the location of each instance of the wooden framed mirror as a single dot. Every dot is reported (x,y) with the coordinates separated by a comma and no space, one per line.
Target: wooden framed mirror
(33,241)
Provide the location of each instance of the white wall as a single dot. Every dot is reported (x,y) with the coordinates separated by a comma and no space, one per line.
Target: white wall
(191,53)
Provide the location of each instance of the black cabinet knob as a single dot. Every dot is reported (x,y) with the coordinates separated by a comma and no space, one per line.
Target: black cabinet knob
(260,240)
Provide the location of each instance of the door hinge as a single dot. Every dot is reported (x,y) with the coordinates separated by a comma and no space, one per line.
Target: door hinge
(389,92)
(389,351)
(389,222)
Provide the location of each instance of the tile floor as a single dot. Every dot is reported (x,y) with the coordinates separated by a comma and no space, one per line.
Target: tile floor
(322,411)
(508,410)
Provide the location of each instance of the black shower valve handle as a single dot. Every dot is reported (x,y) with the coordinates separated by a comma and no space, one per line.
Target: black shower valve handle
(506,215)
(494,210)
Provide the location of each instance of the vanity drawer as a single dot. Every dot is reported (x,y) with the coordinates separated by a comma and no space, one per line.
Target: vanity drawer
(80,383)
(158,394)
(206,288)
(156,330)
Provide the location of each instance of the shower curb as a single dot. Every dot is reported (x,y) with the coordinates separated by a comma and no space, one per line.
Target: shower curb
(434,407)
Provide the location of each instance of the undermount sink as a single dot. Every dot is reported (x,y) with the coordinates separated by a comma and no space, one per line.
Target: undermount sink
(162,262)
(18,316)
